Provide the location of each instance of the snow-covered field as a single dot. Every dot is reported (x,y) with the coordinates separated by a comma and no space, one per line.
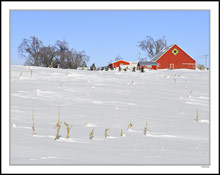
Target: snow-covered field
(167,99)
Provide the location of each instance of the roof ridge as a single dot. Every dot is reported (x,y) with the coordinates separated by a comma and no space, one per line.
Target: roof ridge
(120,60)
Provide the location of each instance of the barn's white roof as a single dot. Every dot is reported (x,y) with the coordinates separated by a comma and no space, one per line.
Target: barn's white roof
(163,51)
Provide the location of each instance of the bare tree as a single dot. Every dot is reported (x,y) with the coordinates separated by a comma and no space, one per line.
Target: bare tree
(62,52)
(201,66)
(84,64)
(117,58)
(151,46)
(70,58)
(47,56)
(81,59)
(30,50)
(38,55)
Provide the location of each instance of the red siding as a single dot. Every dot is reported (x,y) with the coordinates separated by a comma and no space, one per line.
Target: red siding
(117,63)
(178,61)
(154,67)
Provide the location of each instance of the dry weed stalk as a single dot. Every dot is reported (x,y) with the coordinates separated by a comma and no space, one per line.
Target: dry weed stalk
(190,93)
(91,134)
(129,126)
(33,129)
(106,132)
(145,129)
(58,125)
(20,75)
(197,116)
(30,70)
(122,133)
(68,129)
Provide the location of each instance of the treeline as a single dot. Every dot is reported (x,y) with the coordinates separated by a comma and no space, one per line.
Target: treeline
(58,55)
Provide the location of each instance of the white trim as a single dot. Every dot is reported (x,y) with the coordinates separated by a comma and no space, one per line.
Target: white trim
(189,63)
(158,65)
(170,66)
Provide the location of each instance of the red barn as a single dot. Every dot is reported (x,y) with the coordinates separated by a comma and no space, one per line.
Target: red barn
(173,57)
(118,63)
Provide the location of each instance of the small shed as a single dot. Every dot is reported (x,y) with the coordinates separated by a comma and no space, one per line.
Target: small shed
(147,65)
(118,63)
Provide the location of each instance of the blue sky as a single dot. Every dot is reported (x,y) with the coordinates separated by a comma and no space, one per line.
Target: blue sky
(105,34)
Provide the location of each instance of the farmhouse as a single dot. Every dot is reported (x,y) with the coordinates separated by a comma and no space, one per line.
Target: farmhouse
(130,66)
(173,57)
(133,64)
